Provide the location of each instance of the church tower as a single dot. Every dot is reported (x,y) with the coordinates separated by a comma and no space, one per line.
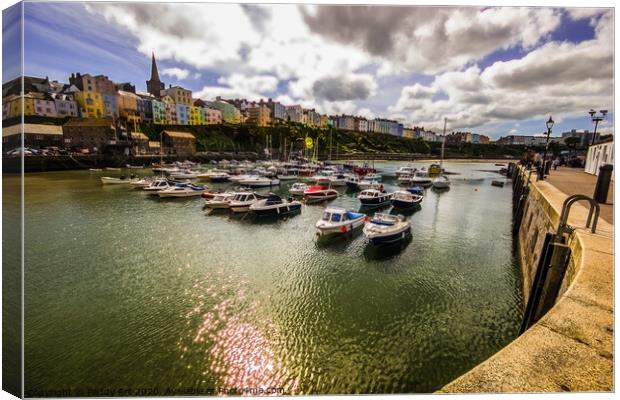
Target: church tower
(154,86)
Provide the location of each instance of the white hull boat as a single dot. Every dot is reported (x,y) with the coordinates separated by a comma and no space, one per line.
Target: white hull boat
(182,190)
(106,180)
(220,201)
(242,201)
(259,182)
(386,229)
(337,221)
(441,182)
(298,189)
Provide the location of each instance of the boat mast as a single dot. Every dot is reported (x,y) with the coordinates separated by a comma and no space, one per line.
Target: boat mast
(443,145)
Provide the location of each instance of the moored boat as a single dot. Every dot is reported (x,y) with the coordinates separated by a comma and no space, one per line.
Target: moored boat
(441,182)
(140,183)
(416,190)
(298,189)
(158,185)
(386,228)
(336,220)
(258,181)
(366,184)
(406,200)
(242,202)
(374,197)
(318,193)
(273,205)
(421,178)
(182,190)
(219,201)
(107,180)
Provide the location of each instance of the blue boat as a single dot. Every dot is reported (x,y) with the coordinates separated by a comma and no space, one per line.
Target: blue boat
(416,190)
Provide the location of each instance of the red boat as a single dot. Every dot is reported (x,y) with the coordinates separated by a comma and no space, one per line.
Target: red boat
(210,194)
(317,193)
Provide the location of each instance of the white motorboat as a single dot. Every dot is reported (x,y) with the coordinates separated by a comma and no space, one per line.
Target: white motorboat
(107,180)
(182,190)
(441,182)
(258,181)
(237,178)
(242,202)
(184,174)
(386,228)
(273,205)
(421,178)
(140,183)
(374,197)
(373,177)
(366,184)
(352,182)
(318,193)
(298,189)
(158,185)
(112,169)
(338,180)
(219,201)
(406,170)
(337,220)
(406,200)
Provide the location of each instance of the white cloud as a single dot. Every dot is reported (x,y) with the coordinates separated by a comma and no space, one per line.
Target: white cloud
(559,79)
(178,73)
(240,86)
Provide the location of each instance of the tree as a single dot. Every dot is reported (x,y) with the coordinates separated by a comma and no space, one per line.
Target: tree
(572,142)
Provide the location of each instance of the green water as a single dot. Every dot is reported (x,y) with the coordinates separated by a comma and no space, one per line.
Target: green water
(127,290)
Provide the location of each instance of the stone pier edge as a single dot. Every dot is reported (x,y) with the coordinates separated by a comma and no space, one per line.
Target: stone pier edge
(571,347)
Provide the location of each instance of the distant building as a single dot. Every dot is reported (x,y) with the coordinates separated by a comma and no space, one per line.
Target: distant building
(179,95)
(213,117)
(408,133)
(181,143)
(125,86)
(31,84)
(259,114)
(110,105)
(346,122)
(128,106)
(90,104)
(44,105)
(154,86)
(145,108)
(360,124)
(196,117)
(526,140)
(294,113)
(158,110)
(278,110)
(88,83)
(35,136)
(91,133)
(182,114)
(585,137)
(171,110)
(230,113)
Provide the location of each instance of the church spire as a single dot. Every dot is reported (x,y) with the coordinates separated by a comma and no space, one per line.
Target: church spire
(154,86)
(154,73)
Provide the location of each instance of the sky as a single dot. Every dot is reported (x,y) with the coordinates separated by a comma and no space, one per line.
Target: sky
(494,71)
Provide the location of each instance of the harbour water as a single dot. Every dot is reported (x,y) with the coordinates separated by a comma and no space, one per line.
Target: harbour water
(124,289)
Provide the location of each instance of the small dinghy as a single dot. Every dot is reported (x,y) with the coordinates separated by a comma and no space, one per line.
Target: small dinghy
(416,190)
(386,229)
(219,201)
(336,221)
(182,190)
(106,180)
(273,205)
(318,193)
(374,197)
(140,183)
(95,169)
(406,200)
(298,189)
(497,183)
(112,169)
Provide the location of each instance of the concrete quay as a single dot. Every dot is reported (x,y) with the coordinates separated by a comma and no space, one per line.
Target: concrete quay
(570,349)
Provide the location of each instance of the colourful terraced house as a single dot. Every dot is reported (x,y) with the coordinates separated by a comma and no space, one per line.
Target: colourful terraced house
(90,103)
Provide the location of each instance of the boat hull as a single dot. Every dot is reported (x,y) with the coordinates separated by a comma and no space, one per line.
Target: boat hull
(389,238)
(340,229)
(282,209)
(405,204)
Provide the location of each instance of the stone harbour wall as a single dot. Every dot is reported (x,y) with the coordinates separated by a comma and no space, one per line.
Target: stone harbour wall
(571,347)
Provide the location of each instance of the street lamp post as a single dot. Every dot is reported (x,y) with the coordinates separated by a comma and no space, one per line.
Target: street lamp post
(596,119)
(543,168)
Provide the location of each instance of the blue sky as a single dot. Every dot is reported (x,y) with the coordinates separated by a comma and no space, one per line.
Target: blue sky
(415,65)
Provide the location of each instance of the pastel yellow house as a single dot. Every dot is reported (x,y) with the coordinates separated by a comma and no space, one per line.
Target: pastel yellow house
(90,104)
(196,117)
